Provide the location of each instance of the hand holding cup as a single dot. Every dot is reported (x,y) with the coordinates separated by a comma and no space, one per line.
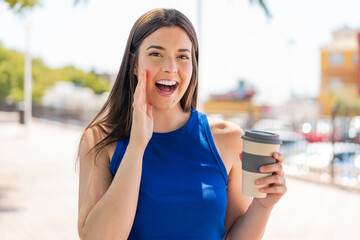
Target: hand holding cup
(258,149)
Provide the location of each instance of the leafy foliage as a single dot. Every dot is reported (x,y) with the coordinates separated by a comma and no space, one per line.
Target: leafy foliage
(20,5)
(263,6)
(12,77)
(344,104)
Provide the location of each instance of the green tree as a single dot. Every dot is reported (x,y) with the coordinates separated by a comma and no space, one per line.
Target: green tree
(11,74)
(263,5)
(12,77)
(82,79)
(20,5)
(344,104)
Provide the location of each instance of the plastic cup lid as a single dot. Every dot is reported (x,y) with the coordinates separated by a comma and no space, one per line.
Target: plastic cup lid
(261,137)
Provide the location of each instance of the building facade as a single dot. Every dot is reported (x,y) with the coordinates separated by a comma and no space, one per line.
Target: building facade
(340,71)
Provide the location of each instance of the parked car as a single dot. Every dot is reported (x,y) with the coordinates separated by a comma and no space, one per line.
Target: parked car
(354,129)
(322,130)
(317,131)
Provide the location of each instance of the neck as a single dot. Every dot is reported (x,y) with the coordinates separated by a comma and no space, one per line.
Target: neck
(168,120)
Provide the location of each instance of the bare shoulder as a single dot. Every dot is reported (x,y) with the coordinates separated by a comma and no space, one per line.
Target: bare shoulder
(90,138)
(226,131)
(227,138)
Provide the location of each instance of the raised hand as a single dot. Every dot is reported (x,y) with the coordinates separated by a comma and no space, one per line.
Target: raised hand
(142,122)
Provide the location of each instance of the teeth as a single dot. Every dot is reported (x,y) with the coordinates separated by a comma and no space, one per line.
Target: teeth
(167,83)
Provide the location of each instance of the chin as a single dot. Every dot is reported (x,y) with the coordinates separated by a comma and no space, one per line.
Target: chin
(165,105)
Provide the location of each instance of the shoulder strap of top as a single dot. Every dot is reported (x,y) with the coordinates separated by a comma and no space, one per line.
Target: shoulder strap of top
(204,126)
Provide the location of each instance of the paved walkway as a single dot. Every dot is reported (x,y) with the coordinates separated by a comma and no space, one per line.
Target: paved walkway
(38,192)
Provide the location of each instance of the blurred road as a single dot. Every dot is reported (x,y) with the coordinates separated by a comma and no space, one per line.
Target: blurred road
(38,192)
(38,183)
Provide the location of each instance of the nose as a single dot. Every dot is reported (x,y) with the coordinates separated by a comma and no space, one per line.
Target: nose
(169,66)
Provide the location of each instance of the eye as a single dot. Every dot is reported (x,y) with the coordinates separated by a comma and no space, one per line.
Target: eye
(184,57)
(156,54)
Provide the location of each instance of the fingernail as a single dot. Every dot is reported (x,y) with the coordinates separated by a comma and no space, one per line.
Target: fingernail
(257,182)
(276,154)
(262,169)
(262,190)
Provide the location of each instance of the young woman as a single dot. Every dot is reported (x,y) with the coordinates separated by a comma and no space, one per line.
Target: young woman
(151,166)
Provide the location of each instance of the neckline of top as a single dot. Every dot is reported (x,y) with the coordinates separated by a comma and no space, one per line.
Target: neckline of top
(179,130)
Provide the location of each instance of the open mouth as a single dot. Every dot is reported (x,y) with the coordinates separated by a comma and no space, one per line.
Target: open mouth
(166,87)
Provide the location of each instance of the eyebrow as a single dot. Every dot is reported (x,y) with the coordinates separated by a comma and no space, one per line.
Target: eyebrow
(162,48)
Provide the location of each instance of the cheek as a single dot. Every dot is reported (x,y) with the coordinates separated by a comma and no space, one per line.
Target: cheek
(151,69)
(186,71)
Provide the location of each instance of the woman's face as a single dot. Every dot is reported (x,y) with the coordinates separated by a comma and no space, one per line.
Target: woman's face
(166,56)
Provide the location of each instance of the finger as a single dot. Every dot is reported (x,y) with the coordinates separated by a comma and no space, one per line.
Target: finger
(140,93)
(274,189)
(273,179)
(142,86)
(276,167)
(149,110)
(279,157)
(137,90)
(240,155)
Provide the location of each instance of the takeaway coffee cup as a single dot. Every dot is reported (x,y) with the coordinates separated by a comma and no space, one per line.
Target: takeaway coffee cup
(258,148)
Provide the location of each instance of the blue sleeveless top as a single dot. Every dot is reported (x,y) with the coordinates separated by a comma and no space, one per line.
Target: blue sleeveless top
(183,185)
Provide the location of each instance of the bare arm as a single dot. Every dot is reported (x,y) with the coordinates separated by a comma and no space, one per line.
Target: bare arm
(253,223)
(245,218)
(107,206)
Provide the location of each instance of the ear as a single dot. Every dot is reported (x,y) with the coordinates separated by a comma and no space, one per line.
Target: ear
(135,69)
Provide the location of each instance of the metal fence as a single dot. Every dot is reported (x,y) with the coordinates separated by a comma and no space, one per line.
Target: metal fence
(71,116)
(323,149)
(11,112)
(74,116)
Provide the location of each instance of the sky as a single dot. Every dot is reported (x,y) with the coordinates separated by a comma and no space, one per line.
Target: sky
(279,56)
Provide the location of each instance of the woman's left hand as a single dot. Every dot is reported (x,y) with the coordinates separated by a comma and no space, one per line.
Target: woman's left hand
(277,183)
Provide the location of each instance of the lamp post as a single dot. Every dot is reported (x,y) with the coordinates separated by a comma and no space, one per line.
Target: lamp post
(27,77)
(199,16)
(199,11)
(291,43)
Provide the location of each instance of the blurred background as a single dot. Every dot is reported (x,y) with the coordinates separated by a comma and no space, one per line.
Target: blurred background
(290,67)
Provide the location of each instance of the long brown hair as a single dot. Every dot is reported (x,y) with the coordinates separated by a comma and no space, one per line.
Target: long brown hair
(115,117)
